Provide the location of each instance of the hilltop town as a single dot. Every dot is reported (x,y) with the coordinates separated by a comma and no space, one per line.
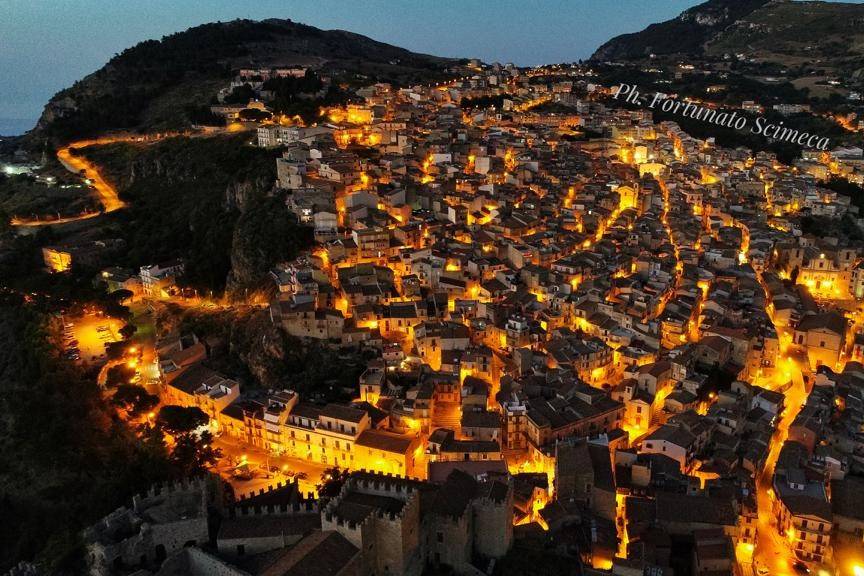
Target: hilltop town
(584,335)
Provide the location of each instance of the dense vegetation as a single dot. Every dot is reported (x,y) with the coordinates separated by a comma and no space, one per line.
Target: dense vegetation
(483,101)
(186,197)
(161,84)
(304,96)
(25,197)
(843,186)
(250,347)
(685,34)
(264,234)
(825,226)
(67,458)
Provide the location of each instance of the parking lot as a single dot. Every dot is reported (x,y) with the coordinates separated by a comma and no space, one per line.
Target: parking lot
(85,337)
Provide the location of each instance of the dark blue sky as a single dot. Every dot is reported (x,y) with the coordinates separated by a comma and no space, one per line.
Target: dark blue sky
(46,45)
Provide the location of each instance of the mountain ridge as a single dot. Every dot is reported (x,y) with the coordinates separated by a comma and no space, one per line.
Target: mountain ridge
(152,84)
(684,34)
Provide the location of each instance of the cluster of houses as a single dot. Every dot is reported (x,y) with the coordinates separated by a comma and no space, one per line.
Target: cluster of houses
(598,340)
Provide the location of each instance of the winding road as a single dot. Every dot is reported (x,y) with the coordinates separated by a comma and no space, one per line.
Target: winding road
(106,193)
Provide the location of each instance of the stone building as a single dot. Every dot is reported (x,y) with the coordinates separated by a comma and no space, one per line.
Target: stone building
(160,523)
(402,525)
(265,521)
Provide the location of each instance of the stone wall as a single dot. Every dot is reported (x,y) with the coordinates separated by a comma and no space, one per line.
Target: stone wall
(493,526)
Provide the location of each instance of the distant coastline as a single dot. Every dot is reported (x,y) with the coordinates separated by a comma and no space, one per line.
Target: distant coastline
(16,126)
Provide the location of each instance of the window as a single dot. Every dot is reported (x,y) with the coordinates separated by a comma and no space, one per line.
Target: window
(440,537)
(241,549)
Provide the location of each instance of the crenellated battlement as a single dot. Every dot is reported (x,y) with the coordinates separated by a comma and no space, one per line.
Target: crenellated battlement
(247,505)
(183,487)
(377,484)
(384,483)
(303,507)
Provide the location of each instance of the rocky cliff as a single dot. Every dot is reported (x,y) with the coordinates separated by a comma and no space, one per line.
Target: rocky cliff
(685,34)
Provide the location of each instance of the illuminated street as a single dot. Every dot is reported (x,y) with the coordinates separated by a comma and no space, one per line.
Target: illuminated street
(263,467)
(603,316)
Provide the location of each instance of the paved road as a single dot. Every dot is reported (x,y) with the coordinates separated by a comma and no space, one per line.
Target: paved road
(108,196)
(772,549)
(258,462)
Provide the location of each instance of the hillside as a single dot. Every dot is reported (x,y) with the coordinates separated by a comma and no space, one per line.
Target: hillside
(685,34)
(813,37)
(206,200)
(810,41)
(156,84)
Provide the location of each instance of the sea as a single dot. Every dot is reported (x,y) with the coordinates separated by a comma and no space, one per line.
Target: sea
(16,126)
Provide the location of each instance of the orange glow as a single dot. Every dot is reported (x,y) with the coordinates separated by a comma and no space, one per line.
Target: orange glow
(509,160)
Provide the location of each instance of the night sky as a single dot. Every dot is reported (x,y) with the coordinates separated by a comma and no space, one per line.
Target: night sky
(46,45)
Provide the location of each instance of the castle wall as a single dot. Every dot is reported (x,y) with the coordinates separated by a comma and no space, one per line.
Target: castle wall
(203,564)
(493,527)
(450,539)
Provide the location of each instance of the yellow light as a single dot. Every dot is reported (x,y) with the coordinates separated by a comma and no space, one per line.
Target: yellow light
(858,570)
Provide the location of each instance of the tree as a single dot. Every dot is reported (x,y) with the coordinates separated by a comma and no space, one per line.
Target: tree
(134,399)
(193,454)
(67,459)
(119,375)
(331,482)
(177,420)
(121,295)
(240,95)
(254,115)
(793,276)
(128,330)
(115,350)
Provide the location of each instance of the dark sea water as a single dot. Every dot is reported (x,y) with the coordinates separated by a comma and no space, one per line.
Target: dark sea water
(15,126)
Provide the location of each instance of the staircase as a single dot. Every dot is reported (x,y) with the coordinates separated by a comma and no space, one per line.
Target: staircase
(447,415)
